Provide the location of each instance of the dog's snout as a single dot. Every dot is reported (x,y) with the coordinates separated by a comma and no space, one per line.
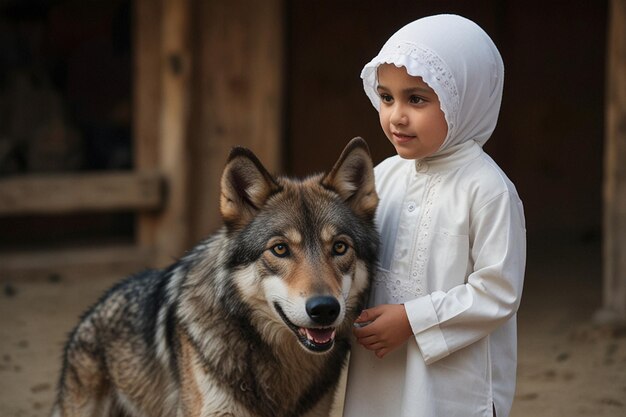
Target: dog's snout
(323,309)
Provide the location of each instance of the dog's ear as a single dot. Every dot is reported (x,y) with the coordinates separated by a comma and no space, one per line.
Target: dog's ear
(352,178)
(245,186)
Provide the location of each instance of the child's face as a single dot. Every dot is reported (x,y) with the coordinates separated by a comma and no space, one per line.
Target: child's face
(410,114)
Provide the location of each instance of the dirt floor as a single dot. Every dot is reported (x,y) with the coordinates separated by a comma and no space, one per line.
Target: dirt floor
(568,366)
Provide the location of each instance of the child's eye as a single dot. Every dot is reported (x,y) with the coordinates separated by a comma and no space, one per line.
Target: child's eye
(416,100)
(386,98)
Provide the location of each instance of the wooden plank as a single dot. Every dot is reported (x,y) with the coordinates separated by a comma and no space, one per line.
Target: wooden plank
(147,94)
(69,193)
(238,95)
(172,226)
(89,261)
(614,289)
(162,107)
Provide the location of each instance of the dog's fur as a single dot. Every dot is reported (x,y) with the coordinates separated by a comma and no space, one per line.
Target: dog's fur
(253,321)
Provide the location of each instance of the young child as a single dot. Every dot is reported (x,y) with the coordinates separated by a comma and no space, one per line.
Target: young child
(439,339)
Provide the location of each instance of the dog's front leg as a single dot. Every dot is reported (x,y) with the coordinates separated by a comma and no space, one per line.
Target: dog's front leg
(84,390)
(192,396)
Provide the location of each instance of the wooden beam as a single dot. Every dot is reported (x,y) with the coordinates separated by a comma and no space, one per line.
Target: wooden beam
(101,260)
(614,250)
(70,193)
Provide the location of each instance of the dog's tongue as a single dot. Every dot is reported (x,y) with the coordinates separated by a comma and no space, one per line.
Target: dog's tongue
(320,335)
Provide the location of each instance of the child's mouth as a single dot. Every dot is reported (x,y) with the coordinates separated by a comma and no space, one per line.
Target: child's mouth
(402,138)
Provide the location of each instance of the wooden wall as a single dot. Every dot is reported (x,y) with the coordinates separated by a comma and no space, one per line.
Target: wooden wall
(207,76)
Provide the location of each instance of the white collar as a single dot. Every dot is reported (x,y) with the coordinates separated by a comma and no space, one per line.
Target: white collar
(450,159)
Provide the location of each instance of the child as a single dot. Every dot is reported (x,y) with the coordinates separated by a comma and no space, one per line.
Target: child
(440,339)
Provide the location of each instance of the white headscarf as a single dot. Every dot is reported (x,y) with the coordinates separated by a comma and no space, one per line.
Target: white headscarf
(459,61)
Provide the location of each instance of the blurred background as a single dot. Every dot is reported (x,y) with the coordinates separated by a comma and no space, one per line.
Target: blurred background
(116,118)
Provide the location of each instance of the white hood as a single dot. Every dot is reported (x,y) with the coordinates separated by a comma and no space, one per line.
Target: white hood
(459,61)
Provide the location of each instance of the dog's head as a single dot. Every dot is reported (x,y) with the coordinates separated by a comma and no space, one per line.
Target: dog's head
(303,250)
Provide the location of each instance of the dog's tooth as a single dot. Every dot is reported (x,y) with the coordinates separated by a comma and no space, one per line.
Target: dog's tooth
(304,332)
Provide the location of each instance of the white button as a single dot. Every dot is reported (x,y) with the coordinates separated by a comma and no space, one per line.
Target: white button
(411,206)
(421,166)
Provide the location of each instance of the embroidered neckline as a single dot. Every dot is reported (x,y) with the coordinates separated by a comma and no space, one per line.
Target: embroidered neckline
(402,287)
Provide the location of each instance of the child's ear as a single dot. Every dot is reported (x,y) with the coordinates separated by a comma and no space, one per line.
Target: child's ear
(352,178)
(245,187)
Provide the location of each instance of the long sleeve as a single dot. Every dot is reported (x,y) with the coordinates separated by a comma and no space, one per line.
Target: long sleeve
(446,321)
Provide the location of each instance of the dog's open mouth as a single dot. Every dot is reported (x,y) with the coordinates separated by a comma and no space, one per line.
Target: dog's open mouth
(314,339)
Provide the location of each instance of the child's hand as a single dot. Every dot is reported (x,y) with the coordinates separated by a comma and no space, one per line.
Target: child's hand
(389,328)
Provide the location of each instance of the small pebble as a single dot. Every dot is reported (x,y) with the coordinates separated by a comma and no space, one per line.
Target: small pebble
(9,290)
(54,278)
(40,387)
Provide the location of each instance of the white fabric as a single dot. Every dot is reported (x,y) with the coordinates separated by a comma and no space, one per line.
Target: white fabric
(453,251)
(459,61)
(453,246)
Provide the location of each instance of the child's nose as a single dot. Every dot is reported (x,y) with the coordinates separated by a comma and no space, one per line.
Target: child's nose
(398,116)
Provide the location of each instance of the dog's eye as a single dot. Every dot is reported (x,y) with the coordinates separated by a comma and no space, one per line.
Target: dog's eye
(340,248)
(281,250)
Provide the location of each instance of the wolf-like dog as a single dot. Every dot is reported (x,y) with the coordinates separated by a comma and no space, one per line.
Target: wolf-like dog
(252,322)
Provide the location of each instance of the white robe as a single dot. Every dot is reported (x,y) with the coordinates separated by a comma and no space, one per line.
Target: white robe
(453,251)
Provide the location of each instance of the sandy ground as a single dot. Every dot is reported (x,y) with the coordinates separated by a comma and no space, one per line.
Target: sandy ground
(567,365)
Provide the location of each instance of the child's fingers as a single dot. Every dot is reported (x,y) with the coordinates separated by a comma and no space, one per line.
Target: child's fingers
(365,331)
(376,345)
(367,340)
(370,314)
(380,353)
(379,348)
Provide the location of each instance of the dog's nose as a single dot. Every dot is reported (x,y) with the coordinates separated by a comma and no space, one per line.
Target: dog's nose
(323,309)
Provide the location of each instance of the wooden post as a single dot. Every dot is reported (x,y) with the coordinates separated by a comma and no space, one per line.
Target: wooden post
(186,133)
(173,229)
(614,250)
(238,94)
(162,101)
(75,193)
(146,103)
